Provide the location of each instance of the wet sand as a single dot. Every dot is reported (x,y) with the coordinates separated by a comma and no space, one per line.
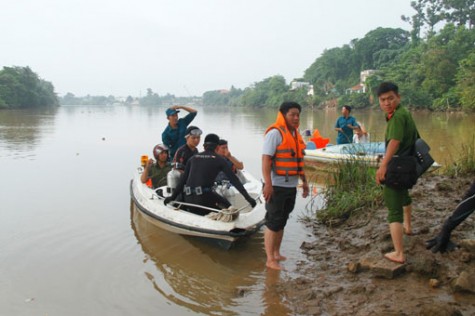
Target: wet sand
(345,272)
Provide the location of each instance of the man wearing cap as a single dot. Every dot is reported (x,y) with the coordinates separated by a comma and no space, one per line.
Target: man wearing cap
(197,182)
(282,166)
(185,152)
(157,172)
(174,134)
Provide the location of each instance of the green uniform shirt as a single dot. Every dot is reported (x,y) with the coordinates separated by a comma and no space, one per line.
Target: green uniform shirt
(401,127)
(159,175)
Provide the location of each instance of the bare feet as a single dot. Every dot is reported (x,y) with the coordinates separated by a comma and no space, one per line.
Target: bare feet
(279,257)
(394,257)
(273,265)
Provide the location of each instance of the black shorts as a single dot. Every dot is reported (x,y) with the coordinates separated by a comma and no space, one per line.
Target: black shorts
(279,208)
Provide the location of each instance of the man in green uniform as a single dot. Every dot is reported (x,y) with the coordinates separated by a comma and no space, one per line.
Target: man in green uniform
(401,134)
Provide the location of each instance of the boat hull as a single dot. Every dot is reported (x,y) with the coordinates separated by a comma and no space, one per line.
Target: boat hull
(225,234)
(327,158)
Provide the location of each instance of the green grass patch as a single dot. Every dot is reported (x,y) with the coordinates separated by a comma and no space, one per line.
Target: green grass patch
(351,189)
(465,162)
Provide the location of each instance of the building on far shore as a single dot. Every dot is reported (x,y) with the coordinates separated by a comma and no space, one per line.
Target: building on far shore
(361,87)
(294,85)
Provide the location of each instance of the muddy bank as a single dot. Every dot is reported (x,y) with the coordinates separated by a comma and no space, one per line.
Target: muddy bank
(345,273)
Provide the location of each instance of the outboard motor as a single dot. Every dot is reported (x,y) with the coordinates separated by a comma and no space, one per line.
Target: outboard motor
(173,177)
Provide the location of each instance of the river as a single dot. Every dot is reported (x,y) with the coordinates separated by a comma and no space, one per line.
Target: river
(70,244)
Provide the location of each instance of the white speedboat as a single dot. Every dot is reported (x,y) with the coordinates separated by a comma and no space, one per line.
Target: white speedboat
(371,153)
(175,218)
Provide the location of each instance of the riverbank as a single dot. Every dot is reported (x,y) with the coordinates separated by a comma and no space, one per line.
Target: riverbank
(345,272)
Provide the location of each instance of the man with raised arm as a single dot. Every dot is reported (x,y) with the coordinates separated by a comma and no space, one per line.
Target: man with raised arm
(174,134)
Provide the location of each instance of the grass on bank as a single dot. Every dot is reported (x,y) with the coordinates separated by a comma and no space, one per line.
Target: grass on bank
(350,190)
(464,163)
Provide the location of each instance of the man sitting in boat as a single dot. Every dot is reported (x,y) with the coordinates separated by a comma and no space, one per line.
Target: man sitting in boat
(361,136)
(232,161)
(157,172)
(185,152)
(197,182)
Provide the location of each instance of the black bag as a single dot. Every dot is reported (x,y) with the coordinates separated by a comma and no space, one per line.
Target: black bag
(424,159)
(401,172)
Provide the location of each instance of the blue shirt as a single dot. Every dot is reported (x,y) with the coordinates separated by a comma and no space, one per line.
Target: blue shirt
(175,137)
(346,136)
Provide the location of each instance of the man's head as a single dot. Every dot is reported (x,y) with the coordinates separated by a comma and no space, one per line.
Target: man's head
(222,147)
(346,110)
(172,116)
(388,95)
(193,136)
(160,152)
(211,142)
(291,113)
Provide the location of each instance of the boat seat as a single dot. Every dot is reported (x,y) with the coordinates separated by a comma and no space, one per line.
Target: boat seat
(311,145)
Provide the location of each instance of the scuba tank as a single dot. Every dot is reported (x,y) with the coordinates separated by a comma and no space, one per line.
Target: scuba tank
(173,177)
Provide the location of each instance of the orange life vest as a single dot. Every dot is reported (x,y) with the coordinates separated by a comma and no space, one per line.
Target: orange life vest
(288,158)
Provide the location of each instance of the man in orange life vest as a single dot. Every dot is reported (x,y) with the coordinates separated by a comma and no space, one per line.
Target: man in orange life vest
(282,166)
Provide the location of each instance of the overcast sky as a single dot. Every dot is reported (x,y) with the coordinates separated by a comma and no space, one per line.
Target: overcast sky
(183,47)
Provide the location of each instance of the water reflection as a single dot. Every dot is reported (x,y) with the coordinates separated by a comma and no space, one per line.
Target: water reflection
(22,130)
(272,295)
(200,277)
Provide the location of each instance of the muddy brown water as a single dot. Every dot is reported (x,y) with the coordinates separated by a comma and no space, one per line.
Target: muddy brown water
(71,245)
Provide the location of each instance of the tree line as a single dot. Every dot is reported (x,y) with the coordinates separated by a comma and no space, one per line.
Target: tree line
(20,87)
(433,63)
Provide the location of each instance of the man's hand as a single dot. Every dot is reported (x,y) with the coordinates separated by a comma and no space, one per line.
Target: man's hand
(381,174)
(305,190)
(252,202)
(267,192)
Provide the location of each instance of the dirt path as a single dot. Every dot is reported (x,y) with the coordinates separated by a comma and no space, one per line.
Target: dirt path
(345,273)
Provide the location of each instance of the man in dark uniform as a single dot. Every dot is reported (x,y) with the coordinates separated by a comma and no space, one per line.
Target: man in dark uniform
(442,241)
(197,182)
(185,152)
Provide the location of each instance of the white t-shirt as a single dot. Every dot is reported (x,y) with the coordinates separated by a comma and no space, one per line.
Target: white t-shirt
(271,141)
(361,139)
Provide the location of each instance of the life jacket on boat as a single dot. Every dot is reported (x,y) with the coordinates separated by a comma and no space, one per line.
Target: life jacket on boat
(288,158)
(319,141)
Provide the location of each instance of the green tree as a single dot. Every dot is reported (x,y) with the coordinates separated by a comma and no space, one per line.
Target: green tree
(268,92)
(20,87)
(380,47)
(466,82)
(460,12)
(150,99)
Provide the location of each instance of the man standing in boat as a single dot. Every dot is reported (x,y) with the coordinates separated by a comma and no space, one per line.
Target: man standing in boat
(282,166)
(345,125)
(174,134)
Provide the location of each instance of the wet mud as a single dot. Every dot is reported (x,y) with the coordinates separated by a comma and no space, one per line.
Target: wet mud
(345,272)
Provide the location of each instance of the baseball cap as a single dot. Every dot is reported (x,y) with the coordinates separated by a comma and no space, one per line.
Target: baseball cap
(171,111)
